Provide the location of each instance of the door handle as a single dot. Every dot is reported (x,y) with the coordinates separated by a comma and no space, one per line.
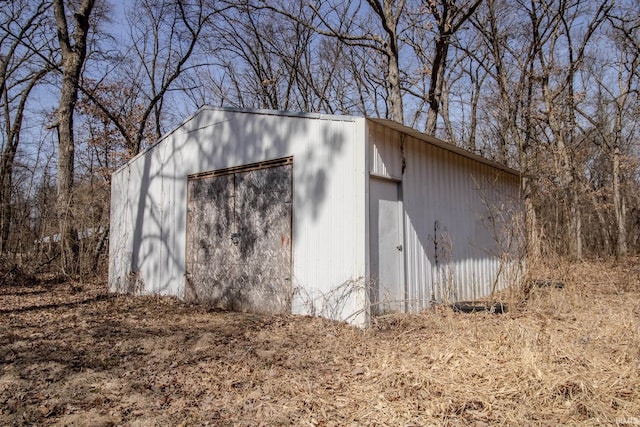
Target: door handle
(235,238)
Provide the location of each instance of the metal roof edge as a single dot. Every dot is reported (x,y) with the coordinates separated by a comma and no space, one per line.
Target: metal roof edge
(317,116)
(281,113)
(159,140)
(444,145)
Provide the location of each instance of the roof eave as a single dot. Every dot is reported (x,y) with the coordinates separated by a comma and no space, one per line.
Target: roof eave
(444,145)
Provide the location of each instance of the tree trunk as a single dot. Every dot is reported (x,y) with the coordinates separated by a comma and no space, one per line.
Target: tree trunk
(437,78)
(66,153)
(605,229)
(449,18)
(565,166)
(619,207)
(6,185)
(531,226)
(395,96)
(73,57)
(576,223)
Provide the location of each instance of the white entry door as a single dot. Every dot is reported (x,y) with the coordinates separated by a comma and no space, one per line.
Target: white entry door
(387,252)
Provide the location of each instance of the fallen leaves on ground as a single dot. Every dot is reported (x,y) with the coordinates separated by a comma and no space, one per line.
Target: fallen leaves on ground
(72,354)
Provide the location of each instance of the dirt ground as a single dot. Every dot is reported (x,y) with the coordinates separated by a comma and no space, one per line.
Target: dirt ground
(71,354)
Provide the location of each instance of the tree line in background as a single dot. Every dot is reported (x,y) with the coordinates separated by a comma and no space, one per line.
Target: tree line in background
(549,87)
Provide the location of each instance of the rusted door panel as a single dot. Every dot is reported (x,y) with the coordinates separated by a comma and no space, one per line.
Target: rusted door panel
(239,240)
(263,224)
(209,225)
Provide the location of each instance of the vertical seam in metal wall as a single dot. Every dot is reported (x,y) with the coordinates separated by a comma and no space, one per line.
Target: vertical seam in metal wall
(292,237)
(368,156)
(402,229)
(186,242)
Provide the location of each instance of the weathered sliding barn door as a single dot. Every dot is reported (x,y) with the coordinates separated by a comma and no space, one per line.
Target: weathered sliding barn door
(239,238)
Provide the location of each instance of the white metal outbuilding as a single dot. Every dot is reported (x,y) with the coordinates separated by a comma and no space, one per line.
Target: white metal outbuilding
(338,216)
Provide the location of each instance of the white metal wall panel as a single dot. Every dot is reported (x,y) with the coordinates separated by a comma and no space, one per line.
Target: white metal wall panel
(331,168)
(451,248)
(119,242)
(149,203)
(385,154)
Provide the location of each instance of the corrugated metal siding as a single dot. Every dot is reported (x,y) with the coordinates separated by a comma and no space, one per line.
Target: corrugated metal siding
(331,167)
(148,232)
(451,248)
(119,247)
(385,154)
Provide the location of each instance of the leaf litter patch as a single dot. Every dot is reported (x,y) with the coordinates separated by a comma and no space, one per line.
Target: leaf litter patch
(74,355)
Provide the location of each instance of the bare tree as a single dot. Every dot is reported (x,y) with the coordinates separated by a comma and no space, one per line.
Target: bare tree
(559,94)
(504,95)
(389,13)
(73,48)
(616,100)
(271,61)
(163,38)
(263,55)
(514,80)
(537,52)
(22,35)
(628,89)
(448,17)
(371,25)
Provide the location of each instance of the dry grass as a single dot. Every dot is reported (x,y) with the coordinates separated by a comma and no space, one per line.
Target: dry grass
(71,356)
